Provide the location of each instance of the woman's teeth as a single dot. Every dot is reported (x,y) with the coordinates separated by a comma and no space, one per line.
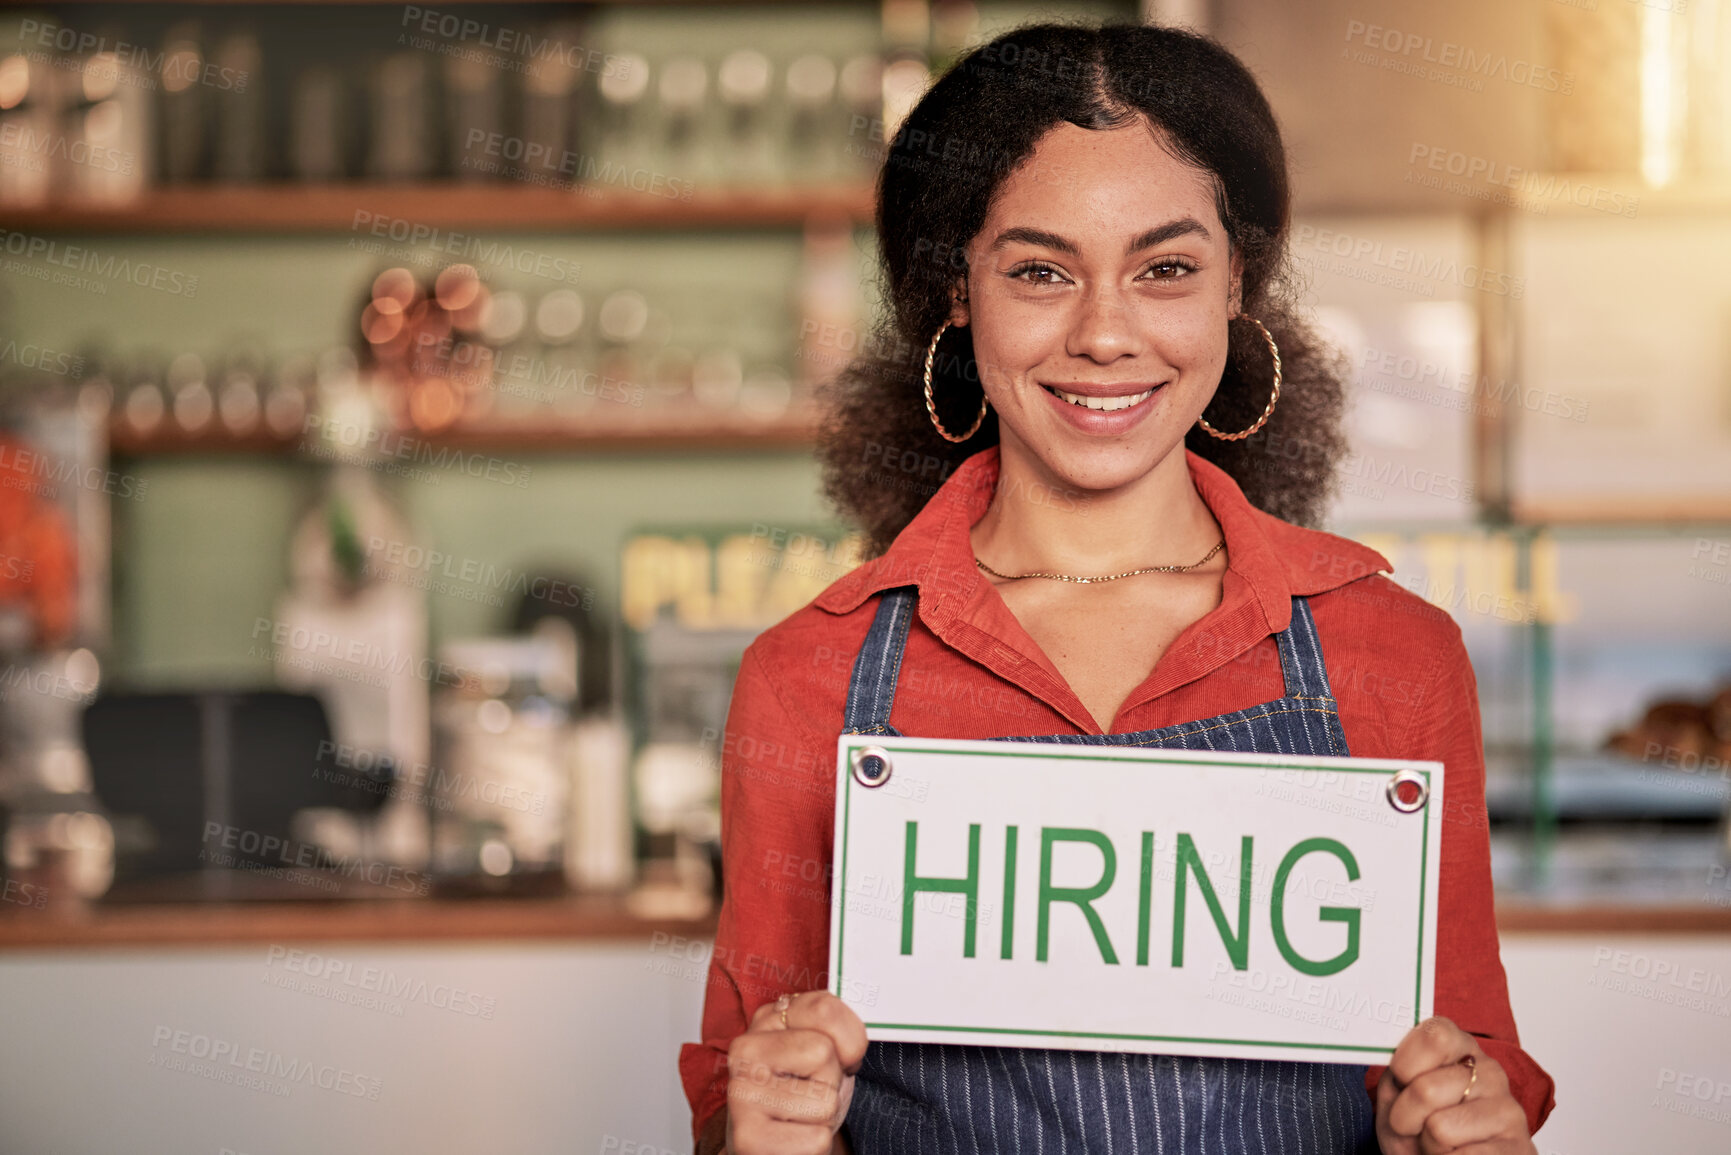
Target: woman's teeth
(1106,404)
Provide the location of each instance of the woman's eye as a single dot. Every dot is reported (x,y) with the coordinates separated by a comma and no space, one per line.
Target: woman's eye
(1036,274)
(1171,269)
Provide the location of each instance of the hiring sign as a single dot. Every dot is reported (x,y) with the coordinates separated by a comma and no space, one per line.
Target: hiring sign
(1122,899)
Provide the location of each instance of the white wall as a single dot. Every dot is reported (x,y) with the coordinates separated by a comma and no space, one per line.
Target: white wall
(579,1054)
(1621,1044)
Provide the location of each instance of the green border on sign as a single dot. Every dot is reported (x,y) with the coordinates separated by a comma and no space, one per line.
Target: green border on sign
(1107,754)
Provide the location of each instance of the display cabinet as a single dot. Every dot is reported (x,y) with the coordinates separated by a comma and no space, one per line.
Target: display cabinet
(1594,599)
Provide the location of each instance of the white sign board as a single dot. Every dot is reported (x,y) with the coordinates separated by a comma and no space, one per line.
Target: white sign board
(1121,899)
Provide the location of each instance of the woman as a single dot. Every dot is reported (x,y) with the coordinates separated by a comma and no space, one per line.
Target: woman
(1084,234)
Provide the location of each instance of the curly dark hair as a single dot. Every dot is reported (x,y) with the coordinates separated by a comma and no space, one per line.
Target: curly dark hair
(881,458)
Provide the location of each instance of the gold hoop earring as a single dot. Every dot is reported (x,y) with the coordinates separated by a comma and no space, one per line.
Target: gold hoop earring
(932,409)
(1273,351)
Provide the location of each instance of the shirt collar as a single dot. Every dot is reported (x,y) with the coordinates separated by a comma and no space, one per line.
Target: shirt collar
(1275,559)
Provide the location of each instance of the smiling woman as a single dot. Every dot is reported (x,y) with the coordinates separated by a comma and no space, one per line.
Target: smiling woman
(1084,239)
(1204,211)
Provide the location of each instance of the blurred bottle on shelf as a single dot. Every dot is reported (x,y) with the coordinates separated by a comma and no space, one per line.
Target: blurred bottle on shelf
(504,335)
(813,147)
(907,30)
(743,82)
(905,79)
(238,393)
(400,144)
(861,85)
(470,363)
(621,323)
(623,112)
(30,100)
(475,121)
(239,144)
(182,105)
(716,378)
(559,316)
(687,143)
(144,407)
(238,404)
(551,376)
(107,159)
(550,109)
(192,403)
(287,400)
(766,395)
(506,315)
(318,119)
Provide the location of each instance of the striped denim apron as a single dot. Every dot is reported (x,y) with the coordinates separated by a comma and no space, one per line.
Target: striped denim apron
(917,1098)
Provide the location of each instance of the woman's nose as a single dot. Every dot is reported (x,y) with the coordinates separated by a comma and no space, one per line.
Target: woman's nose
(1103,329)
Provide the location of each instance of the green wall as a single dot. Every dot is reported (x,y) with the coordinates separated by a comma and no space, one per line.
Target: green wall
(203,554)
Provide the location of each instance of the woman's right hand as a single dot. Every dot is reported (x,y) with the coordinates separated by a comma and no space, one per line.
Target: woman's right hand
(789,1088)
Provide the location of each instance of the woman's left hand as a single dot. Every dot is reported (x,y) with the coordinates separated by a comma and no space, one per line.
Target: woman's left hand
(1420,1109)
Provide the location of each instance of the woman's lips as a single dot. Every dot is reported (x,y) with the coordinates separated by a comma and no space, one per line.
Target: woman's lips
(1099,411)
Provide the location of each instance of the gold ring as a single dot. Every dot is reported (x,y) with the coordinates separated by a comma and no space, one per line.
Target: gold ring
(783,1002)
(1472,1065)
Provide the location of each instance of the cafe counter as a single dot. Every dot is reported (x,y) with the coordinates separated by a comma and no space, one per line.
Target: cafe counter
(595,918)
(542,1024)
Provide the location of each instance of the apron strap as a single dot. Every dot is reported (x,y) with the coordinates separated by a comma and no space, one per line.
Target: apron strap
(1301,655)
(872,691)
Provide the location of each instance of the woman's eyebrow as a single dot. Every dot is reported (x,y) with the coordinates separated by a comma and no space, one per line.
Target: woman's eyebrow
(1036,237)
(1158,235)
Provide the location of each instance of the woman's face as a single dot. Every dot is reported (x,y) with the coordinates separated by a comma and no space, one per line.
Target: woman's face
(1103,276)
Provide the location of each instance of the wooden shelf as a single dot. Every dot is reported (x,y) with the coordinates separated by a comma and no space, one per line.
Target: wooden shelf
(1614,511)
(397,210)
(50,4)
(124,443)
(1614,195)
(791,432)
(578,918)
(1525,918)
(581,917)
(670,431)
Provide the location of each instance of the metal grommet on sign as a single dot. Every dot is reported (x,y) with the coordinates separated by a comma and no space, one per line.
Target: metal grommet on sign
(871,765)
(1408,791)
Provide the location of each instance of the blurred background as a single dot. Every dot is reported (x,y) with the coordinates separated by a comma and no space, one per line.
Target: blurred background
(406,420)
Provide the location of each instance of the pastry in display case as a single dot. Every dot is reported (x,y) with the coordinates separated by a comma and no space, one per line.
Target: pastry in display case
(1687,735)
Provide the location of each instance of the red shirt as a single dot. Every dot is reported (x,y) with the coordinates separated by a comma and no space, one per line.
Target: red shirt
(1396,664)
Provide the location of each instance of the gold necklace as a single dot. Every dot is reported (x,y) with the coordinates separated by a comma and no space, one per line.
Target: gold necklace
(1105,577)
